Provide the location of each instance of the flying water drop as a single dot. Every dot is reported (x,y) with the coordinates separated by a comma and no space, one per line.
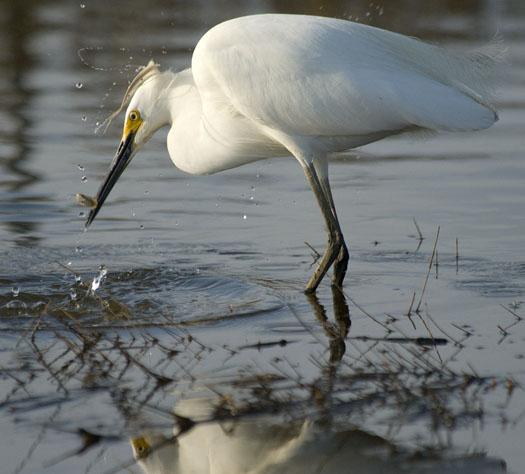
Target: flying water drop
(97,281)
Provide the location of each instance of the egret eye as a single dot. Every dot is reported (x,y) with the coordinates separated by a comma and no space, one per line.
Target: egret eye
(134,115)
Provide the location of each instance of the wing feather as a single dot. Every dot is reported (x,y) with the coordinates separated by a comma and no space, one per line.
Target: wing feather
(315,76)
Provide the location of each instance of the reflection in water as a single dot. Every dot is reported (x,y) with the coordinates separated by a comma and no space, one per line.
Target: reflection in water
(18,30)
(209,439)
(337,332)
(298,407)
(269,446)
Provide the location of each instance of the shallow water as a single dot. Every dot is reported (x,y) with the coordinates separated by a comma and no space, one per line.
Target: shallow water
(204,274)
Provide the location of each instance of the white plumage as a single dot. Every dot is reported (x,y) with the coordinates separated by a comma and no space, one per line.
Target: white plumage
(276,85)
(323,77)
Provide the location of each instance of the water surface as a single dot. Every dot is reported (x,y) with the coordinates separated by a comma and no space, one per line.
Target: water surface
(202,295)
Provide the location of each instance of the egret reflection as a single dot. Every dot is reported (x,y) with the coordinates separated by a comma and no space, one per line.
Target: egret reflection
(302,446)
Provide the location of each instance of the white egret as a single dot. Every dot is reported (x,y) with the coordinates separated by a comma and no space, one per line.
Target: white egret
(275,85)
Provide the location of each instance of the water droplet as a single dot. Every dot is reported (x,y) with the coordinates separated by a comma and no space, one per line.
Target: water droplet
(97,123)
(80,167)
(244,216)
(251,198)
(97,281)
(84,118)
(15,290)
(79,85)
(82,5)
(69,263)
(83,179)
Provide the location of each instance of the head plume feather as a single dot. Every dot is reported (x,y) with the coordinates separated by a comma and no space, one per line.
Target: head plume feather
(144,73)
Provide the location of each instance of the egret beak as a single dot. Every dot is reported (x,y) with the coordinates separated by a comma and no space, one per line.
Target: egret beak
(122,158)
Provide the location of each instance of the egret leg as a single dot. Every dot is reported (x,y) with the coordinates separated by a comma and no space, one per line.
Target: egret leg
(335,236)
(341,261)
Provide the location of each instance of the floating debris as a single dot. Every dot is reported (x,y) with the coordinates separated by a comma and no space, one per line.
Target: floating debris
(85,200)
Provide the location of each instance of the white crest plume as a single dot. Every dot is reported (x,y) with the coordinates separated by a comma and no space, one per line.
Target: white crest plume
(144,73)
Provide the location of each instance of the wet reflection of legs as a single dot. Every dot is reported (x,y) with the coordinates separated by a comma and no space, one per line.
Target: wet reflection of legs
(336,331)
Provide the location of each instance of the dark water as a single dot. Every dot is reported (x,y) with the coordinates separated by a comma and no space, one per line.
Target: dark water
(202,295)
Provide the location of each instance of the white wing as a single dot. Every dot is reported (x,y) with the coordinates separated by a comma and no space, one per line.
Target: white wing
(315,76)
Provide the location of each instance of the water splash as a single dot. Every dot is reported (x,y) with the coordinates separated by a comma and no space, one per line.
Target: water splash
(97,281)
(73,294)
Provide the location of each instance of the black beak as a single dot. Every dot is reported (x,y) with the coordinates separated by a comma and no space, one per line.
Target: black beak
(118,165)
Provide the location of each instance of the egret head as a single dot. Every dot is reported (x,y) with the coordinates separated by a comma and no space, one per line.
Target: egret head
(145,114)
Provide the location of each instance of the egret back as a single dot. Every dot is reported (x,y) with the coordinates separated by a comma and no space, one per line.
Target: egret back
(322,77)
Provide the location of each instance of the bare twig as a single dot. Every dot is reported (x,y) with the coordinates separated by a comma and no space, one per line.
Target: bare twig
(418,308)
(419,233)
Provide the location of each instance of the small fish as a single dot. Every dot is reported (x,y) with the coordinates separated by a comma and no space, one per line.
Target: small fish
(85,201)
